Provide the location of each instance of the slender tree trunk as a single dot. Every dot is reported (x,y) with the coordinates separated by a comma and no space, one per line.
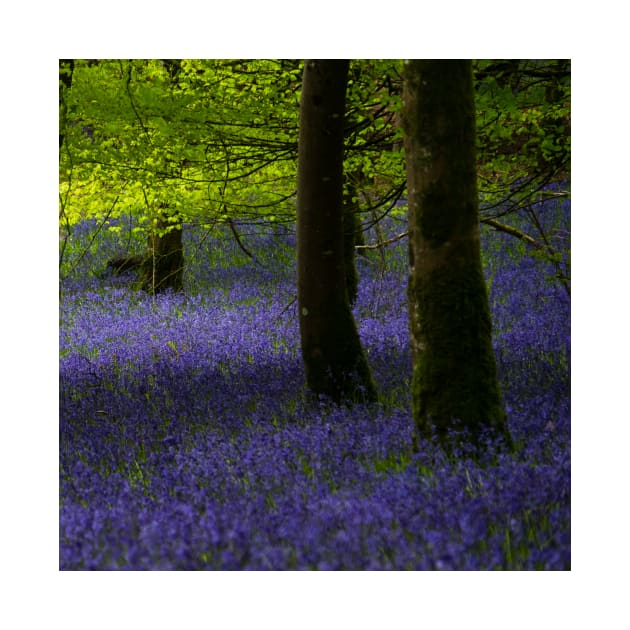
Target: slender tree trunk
(454,383)
(66,70)
(331,349)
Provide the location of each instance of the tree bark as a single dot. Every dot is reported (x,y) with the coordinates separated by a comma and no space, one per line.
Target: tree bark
(455,391)
(334,361)
(163,267)
(66,70)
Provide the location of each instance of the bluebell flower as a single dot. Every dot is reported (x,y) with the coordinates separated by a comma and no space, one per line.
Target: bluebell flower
(188,440)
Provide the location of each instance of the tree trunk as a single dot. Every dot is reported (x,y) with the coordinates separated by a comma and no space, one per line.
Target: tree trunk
(66,70)
(163,267)
(331,349)
(454,383)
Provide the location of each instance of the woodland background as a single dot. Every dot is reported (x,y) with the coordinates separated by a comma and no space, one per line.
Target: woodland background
(597,136)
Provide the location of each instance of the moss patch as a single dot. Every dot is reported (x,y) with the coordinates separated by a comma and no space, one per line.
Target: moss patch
(454,382)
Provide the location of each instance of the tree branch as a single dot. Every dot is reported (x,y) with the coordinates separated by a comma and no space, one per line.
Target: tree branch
(383,243)
(237,238)
(499,227)
(508,229)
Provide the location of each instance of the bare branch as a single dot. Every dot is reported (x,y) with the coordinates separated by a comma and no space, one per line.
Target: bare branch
(508,229)
(499,227)
(383,243)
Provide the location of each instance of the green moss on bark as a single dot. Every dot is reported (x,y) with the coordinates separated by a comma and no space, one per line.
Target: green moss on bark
(454,382)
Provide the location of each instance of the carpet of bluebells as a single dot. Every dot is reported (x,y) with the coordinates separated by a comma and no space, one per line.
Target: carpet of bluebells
(188,440)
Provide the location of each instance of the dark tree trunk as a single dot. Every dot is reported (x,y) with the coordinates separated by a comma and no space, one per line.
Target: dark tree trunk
(66,70)
(331,349)
(163,267)
(454,384)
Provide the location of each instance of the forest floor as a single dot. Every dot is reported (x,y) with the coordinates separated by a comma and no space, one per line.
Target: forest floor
(188,440)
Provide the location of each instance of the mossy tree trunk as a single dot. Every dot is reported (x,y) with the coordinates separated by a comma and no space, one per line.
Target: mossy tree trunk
(334,361)
(454,383)
(163,266)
